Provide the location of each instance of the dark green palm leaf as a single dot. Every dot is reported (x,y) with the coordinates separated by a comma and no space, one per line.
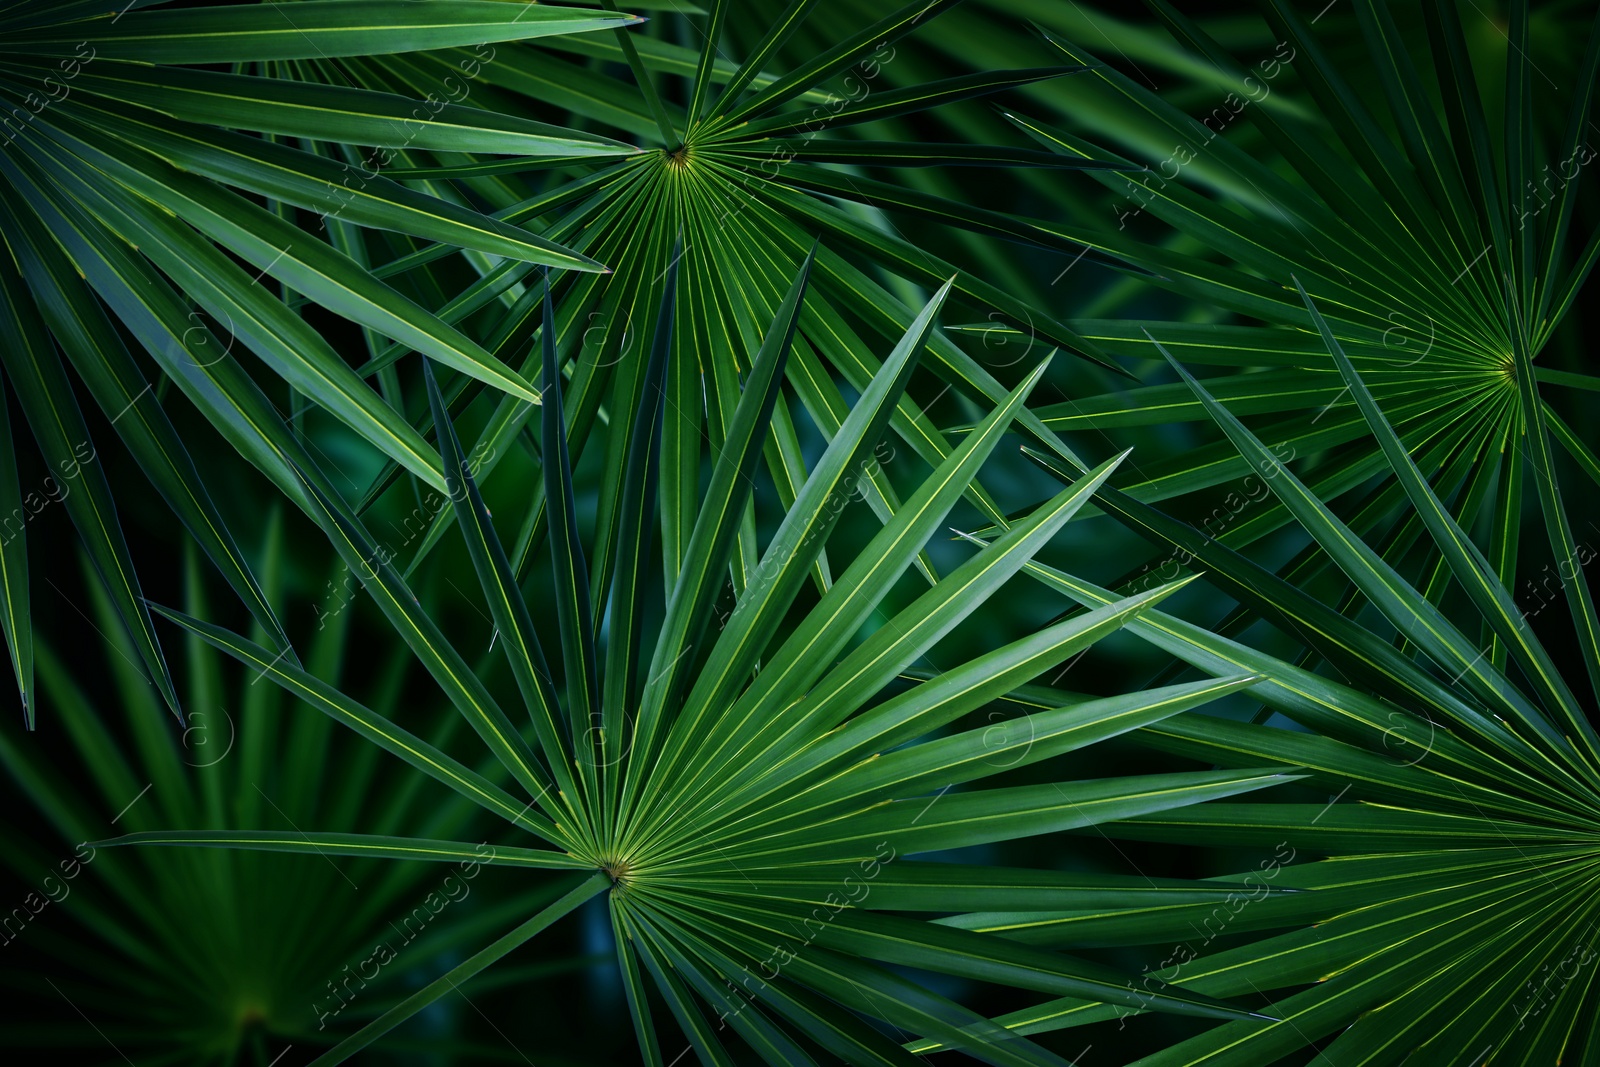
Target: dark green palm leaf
(1452,912)
(1437,262)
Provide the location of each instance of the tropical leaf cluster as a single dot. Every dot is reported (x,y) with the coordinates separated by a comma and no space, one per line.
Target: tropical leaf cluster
(799,533)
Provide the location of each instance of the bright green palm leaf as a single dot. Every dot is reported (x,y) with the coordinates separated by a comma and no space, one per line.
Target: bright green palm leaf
(574,613)
(1412,615)
(370,562)
(756,618)
(340,113)
(102,362)
(810,647)
(316,29)
(1579,599)
(630,573)
(514,627)
(40,382)
(1466,562)
(714,531)
(374,728)
(274,247)
(307,181)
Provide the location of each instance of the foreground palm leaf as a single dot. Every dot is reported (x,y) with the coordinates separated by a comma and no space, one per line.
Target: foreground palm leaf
(112,141)
(746,798)
(1453,920)
(1441,255)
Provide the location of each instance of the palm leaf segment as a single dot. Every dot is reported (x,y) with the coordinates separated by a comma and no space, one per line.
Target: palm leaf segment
(744,165)
(126,197)
(1441,254)
(116,140)
(223,956)
(741,797)
(1454,915)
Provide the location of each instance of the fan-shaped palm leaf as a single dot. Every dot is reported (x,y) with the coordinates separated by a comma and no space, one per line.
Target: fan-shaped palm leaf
(1441,254)
(743,797)
(1453,916)
(113,140)
(223,957)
